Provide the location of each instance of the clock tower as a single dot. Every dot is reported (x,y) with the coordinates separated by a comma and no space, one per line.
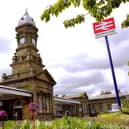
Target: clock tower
(28,74)
(26,58)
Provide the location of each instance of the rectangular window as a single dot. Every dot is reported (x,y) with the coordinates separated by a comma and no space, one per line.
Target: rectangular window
(92,109)
(84,108)
(44,103)
(48,103)
(109,107)
(100,108)
(40,104)
(80,108)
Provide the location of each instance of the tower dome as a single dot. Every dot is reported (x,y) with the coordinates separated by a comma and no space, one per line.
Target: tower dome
(26,19)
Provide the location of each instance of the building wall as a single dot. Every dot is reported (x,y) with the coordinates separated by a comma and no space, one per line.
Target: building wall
(101,105)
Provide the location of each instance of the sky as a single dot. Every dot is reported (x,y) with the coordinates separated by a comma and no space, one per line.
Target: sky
(74,57)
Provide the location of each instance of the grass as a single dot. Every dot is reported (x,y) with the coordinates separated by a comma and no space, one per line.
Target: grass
(116,117)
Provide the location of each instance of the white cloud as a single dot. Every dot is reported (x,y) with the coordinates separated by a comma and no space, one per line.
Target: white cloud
(77,61)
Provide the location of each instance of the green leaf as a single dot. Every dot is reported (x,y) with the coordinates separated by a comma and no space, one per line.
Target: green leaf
(125,23)
(72,22)
(76,3)
(45,14)
(47,18)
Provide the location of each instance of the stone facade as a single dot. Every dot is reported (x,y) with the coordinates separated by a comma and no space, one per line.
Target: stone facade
(75,105)
(102,103)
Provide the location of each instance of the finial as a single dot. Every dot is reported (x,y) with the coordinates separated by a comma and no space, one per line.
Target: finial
(26,12)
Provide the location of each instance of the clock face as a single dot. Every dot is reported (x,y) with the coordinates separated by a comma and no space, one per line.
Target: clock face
(33,41)
(22,40)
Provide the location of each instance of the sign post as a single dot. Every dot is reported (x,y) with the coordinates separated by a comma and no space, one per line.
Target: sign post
(113,74)
(103,29)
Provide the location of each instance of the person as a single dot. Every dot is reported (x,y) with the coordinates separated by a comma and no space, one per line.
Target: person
(16,115)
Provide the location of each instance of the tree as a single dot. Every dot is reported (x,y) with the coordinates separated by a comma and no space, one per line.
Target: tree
(99,9)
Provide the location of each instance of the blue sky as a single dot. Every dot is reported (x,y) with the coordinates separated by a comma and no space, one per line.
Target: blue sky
(76,60)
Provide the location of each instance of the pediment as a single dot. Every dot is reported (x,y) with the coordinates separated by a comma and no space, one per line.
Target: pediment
(46,76)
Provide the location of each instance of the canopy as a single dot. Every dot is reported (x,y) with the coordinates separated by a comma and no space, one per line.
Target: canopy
(14,91)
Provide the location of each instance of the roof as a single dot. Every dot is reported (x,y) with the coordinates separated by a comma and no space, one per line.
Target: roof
(10,78)
(14,91)
(48,75)
(81,95)
(105,96)
(64,100)
(26,19)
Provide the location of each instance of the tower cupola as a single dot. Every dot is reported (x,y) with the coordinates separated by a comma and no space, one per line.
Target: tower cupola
(26,19)
(26,32)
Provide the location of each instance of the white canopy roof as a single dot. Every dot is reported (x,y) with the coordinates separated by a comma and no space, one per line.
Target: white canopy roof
(64,100)
(14,91)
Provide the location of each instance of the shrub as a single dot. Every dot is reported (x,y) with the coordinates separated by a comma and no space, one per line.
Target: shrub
(125,106)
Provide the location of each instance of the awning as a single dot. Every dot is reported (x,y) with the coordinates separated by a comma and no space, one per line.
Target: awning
(14,91)
(63,100)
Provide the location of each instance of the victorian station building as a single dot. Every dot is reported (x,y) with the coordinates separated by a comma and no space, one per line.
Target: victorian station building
(31,82)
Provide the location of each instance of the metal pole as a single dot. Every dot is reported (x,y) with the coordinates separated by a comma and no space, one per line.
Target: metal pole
(113,74)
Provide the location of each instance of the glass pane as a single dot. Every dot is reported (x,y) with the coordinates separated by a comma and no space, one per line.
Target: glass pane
(40,104)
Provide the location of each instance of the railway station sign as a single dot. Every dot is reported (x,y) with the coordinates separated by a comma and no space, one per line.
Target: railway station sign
(104,28)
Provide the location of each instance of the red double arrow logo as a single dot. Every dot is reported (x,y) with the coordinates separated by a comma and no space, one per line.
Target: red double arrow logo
(104,25)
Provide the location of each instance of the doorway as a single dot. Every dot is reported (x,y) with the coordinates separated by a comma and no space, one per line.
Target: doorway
(17,110)
(7,105)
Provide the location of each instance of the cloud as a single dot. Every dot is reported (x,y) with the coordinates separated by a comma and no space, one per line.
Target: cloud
(78,81)
(120,54)
(122,34)
(82,79)
(5,45)
(92,81)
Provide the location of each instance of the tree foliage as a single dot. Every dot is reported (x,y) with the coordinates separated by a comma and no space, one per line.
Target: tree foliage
(99,9)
